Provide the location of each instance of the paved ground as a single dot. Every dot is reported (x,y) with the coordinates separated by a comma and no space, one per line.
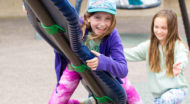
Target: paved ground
(27,64)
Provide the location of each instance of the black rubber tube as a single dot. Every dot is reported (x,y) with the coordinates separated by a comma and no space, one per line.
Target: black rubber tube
(42,14)
(185,20)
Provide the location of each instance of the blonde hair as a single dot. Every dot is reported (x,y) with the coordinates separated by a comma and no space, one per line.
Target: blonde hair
(169,43)
(86,25)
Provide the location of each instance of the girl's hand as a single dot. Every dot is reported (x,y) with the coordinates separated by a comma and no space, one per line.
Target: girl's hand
(176,69)
(93,63)
(95,53)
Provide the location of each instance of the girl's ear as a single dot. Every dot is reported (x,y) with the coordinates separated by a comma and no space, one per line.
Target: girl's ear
(88,19)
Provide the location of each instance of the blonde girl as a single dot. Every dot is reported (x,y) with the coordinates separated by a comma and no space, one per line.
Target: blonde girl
(166,56)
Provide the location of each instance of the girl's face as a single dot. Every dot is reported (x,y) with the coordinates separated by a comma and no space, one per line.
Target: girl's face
(160,28)
(100,22)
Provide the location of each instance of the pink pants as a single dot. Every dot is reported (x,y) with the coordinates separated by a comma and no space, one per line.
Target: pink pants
(69,82)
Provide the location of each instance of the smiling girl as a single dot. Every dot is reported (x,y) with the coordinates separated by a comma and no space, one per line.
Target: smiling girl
(166,56)
(100,36)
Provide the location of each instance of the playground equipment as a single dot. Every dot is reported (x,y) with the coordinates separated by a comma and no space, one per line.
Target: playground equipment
(186,24)
(137,4)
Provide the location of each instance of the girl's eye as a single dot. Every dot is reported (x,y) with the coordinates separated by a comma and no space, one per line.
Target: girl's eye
(164,28)
(97,17)
(108,18)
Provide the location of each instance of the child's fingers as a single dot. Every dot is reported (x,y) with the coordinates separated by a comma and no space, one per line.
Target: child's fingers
(93,63)
(92,60)
(176,66)
(95,53)
(179,63)
(92,66)
(176,73)
(176,69)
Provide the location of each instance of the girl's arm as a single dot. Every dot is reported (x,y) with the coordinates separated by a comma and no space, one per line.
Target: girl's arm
(181,56)
(113,60)
(137,53)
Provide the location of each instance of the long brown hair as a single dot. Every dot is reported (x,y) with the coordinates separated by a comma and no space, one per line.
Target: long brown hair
(86,24)
(169,43)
